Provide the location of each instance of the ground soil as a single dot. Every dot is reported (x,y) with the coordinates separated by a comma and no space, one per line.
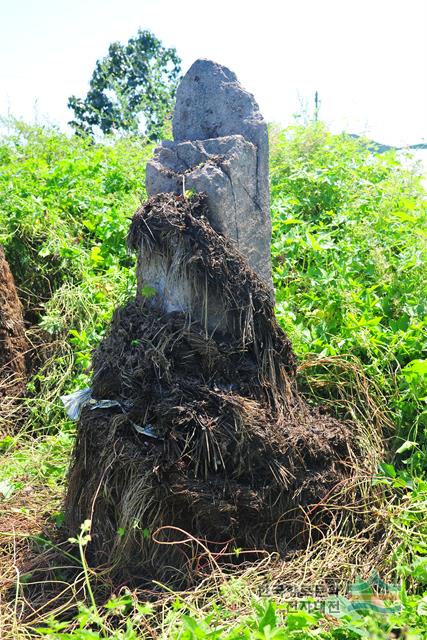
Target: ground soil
(13,345)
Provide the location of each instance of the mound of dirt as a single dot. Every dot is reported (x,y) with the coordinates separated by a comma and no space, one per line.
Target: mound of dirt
(208,434)
(13,345)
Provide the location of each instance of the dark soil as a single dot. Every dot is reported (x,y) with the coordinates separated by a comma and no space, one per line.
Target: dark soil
(211,436)
(13,346)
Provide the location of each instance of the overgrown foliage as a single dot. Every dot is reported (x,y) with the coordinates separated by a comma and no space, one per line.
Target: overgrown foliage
(66,204)
(349,252)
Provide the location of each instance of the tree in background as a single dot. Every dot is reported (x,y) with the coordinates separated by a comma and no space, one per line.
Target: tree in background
(132,89)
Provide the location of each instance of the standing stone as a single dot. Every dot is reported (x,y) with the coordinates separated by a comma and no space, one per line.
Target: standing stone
(211,103)
(220,148)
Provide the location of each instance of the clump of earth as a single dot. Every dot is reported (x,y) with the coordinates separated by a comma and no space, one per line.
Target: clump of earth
(13,345)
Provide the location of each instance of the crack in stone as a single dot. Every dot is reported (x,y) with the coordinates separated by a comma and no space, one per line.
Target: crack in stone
(170,173)
(224,169)
(252,198)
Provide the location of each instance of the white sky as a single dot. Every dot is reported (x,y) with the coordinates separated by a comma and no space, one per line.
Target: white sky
(367,58)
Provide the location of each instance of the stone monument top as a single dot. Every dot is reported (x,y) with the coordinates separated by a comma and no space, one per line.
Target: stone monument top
(211,103)
(220,148)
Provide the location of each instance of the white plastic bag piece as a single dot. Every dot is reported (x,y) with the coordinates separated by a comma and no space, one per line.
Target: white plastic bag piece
(75,402)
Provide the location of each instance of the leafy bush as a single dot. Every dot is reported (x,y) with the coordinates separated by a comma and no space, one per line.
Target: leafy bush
(349,252)
(65,206)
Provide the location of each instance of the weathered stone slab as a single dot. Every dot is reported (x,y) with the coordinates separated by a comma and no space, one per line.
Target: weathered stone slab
(211,103)
(225,169)
(221,149)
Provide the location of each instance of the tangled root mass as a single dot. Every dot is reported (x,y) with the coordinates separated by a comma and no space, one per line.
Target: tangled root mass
(209,434)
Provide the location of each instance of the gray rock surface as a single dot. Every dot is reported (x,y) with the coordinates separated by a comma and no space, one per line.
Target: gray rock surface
(211,103)
(225,169)
(220,148)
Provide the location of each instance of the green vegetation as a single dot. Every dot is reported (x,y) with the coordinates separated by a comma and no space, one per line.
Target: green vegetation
(349,250)
(349,253)
(132,89)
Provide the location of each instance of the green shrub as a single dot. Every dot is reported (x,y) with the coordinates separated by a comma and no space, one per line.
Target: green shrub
(349,253)
(66,204)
